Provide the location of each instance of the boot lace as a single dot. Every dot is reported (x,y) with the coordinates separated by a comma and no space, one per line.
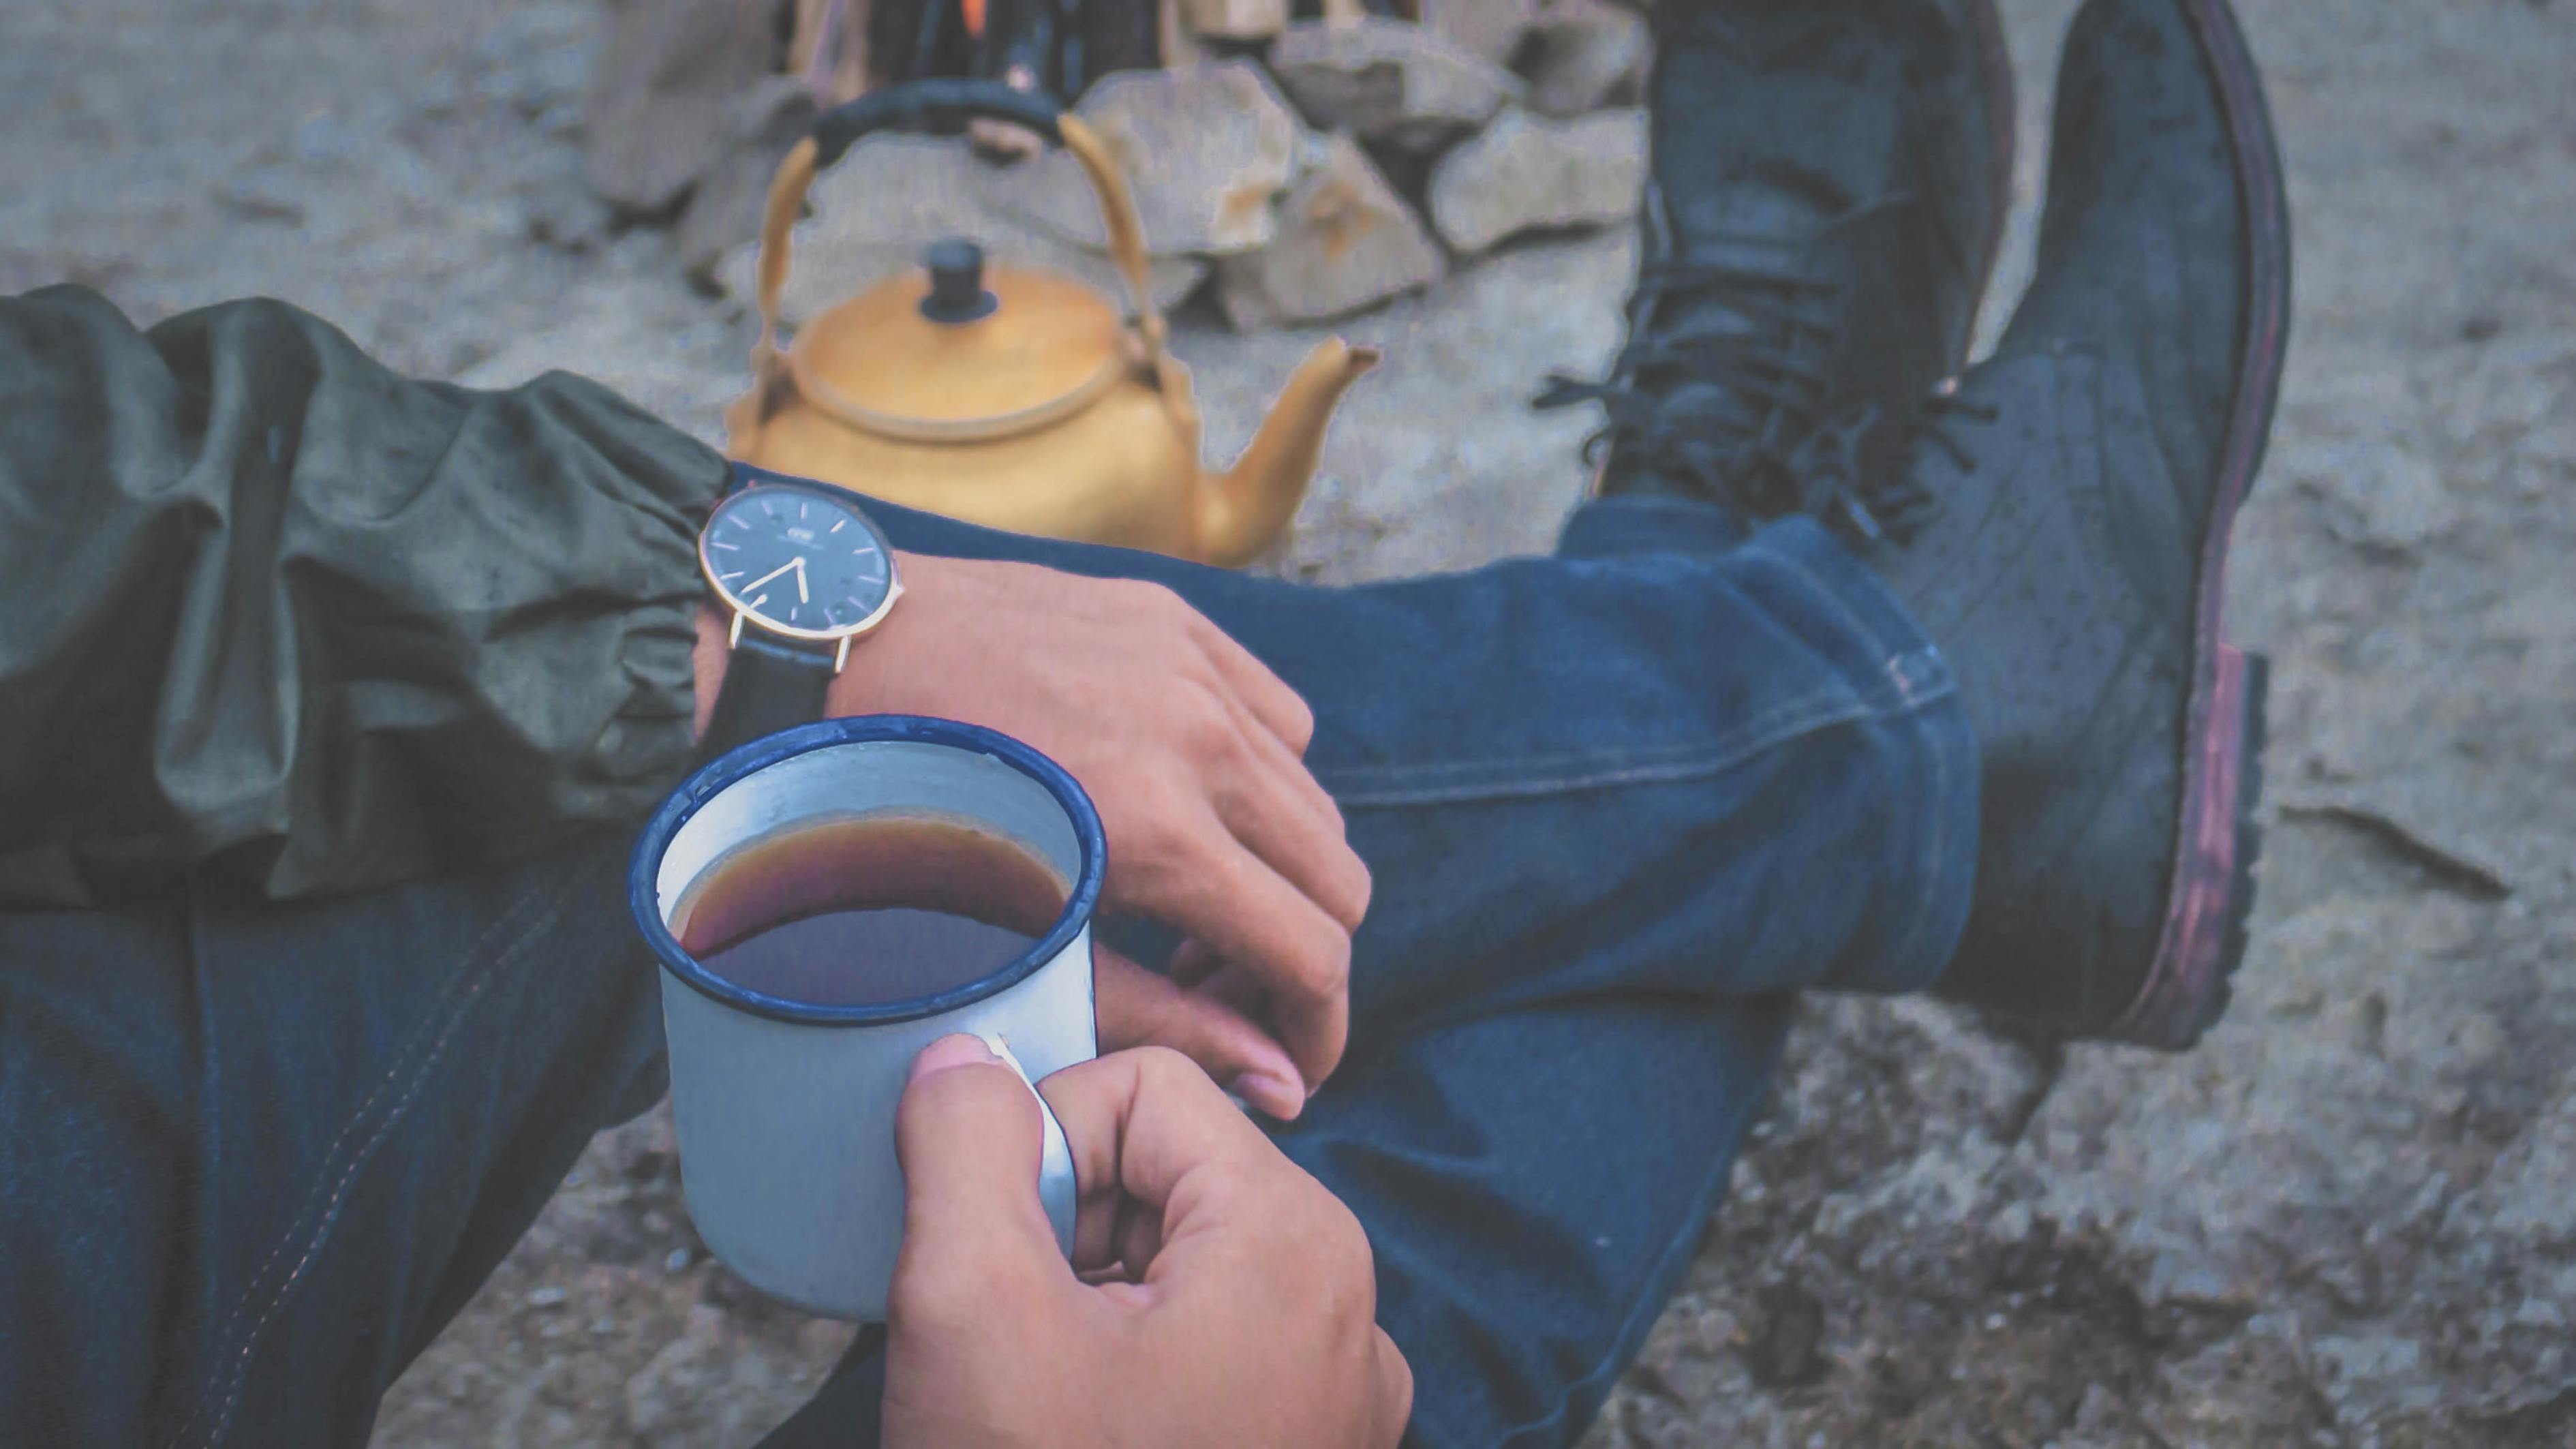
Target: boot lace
(1737,448)
(1831,484)
(1741,440)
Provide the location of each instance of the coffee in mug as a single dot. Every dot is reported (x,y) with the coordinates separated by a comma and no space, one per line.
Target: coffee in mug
(868,908)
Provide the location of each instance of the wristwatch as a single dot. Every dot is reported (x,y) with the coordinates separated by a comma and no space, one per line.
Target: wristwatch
(804,572)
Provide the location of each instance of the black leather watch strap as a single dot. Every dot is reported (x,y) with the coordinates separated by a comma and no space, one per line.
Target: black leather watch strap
(768,686)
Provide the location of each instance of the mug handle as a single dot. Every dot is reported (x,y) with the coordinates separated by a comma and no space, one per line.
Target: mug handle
(1057,1191)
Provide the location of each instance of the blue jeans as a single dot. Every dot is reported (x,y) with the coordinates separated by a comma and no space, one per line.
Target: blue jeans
(1619,804)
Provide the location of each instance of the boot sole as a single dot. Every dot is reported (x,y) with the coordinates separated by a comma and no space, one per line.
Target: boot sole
(2203,939)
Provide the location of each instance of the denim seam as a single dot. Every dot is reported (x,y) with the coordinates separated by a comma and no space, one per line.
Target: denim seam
(1928,874)
(1938,684)
(470,992)
(1894,652)
(327,1195)
(401,1064)
(1927,862)
(1503,779)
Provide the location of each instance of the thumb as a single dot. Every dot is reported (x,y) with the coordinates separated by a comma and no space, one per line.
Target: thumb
(968,1135)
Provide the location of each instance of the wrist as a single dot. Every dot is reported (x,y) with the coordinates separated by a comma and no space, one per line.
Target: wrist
(860,683)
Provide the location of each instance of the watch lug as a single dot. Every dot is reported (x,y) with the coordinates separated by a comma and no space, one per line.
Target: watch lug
(733,639)
(842,657)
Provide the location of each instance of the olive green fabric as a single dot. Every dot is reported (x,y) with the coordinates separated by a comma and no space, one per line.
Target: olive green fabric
(276,620)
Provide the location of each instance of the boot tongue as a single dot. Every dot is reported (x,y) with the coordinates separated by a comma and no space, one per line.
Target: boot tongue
(1717,306)
(1741,235)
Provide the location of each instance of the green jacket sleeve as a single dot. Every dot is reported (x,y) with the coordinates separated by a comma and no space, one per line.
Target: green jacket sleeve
(273,616)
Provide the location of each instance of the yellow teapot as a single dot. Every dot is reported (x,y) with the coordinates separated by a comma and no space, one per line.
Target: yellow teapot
(1016,398)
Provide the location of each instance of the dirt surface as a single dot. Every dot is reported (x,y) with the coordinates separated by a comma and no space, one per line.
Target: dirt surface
(2349,1219)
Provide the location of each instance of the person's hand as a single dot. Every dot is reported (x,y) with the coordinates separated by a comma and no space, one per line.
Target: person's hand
(1224,1296)
(1193,752)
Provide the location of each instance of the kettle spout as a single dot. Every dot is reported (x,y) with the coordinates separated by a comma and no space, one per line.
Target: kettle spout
(1240,513)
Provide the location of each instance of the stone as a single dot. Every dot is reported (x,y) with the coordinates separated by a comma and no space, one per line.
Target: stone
(1489,28)
(724,211)
(1584,54)
(1346,242)
(1208,149)
(1526,172)
(892,195)
(660,106)
(562,212)
(1234,20)
(2381,494)
(1388,81)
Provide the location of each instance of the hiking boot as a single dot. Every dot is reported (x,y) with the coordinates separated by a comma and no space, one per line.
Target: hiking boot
(1829,185)
(2073,499)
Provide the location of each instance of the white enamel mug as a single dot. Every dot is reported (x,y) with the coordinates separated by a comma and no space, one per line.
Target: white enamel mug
(786,1108)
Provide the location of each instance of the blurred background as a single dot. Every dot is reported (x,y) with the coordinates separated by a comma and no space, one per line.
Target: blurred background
(2349,1219)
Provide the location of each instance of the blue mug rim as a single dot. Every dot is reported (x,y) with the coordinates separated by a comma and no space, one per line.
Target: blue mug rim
(643,890)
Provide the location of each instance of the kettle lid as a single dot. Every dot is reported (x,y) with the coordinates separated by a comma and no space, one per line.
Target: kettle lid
(959,351)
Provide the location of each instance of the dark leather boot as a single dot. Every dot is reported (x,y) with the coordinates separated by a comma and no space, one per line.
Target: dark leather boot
(1829,185)
(2074,499)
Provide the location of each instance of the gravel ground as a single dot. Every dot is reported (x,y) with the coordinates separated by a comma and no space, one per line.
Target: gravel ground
(2345,1221)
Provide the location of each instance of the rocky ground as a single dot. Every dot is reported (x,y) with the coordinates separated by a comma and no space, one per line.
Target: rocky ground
(2348,1220)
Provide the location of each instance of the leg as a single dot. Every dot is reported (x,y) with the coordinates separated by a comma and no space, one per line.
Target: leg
(1617,803)
(1664,760)
(1530,1225)
(251,1162)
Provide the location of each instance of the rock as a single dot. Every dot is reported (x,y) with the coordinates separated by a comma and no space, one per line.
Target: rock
(562,212)
(1234,20)
(661,102)
(1207,149)
(1784,1348)
(265,193)
(1388,81)
(892,195)
(1525,172)
(724,211)
(1489,28)
(662,99)
(1584,54)
(1346,241)
(2381,493)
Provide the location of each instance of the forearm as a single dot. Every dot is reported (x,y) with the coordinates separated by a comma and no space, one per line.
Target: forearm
(274,607)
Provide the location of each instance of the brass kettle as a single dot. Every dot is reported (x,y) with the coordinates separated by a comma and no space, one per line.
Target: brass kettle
(1017,398)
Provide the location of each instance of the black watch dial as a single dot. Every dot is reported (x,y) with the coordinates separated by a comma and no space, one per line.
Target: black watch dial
(804,564)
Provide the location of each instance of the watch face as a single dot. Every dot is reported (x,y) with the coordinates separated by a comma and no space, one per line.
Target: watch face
(798,563)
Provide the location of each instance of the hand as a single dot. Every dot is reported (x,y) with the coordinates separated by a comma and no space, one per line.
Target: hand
(1239,1303)
(1193,752)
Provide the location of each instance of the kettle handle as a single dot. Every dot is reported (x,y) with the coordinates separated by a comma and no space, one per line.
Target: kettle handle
(943,106)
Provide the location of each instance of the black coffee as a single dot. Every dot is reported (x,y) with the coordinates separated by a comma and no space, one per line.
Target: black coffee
(868,909)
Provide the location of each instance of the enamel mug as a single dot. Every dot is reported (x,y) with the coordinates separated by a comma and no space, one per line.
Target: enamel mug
(785,1108)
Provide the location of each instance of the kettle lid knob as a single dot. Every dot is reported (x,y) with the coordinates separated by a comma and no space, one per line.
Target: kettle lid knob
(957,294)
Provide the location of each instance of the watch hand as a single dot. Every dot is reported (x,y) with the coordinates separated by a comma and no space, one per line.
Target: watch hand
(773,573)
(801,596)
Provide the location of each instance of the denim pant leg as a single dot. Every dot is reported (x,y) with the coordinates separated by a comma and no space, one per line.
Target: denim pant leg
(252,1160)
(1616,804)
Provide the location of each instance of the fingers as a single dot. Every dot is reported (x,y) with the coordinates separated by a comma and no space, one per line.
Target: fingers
(1193,962)
(1274,805)
(968,1135)
(1143,1123)
(1137,1007)
(1394,1393)
(1223,895)
(1280,709)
